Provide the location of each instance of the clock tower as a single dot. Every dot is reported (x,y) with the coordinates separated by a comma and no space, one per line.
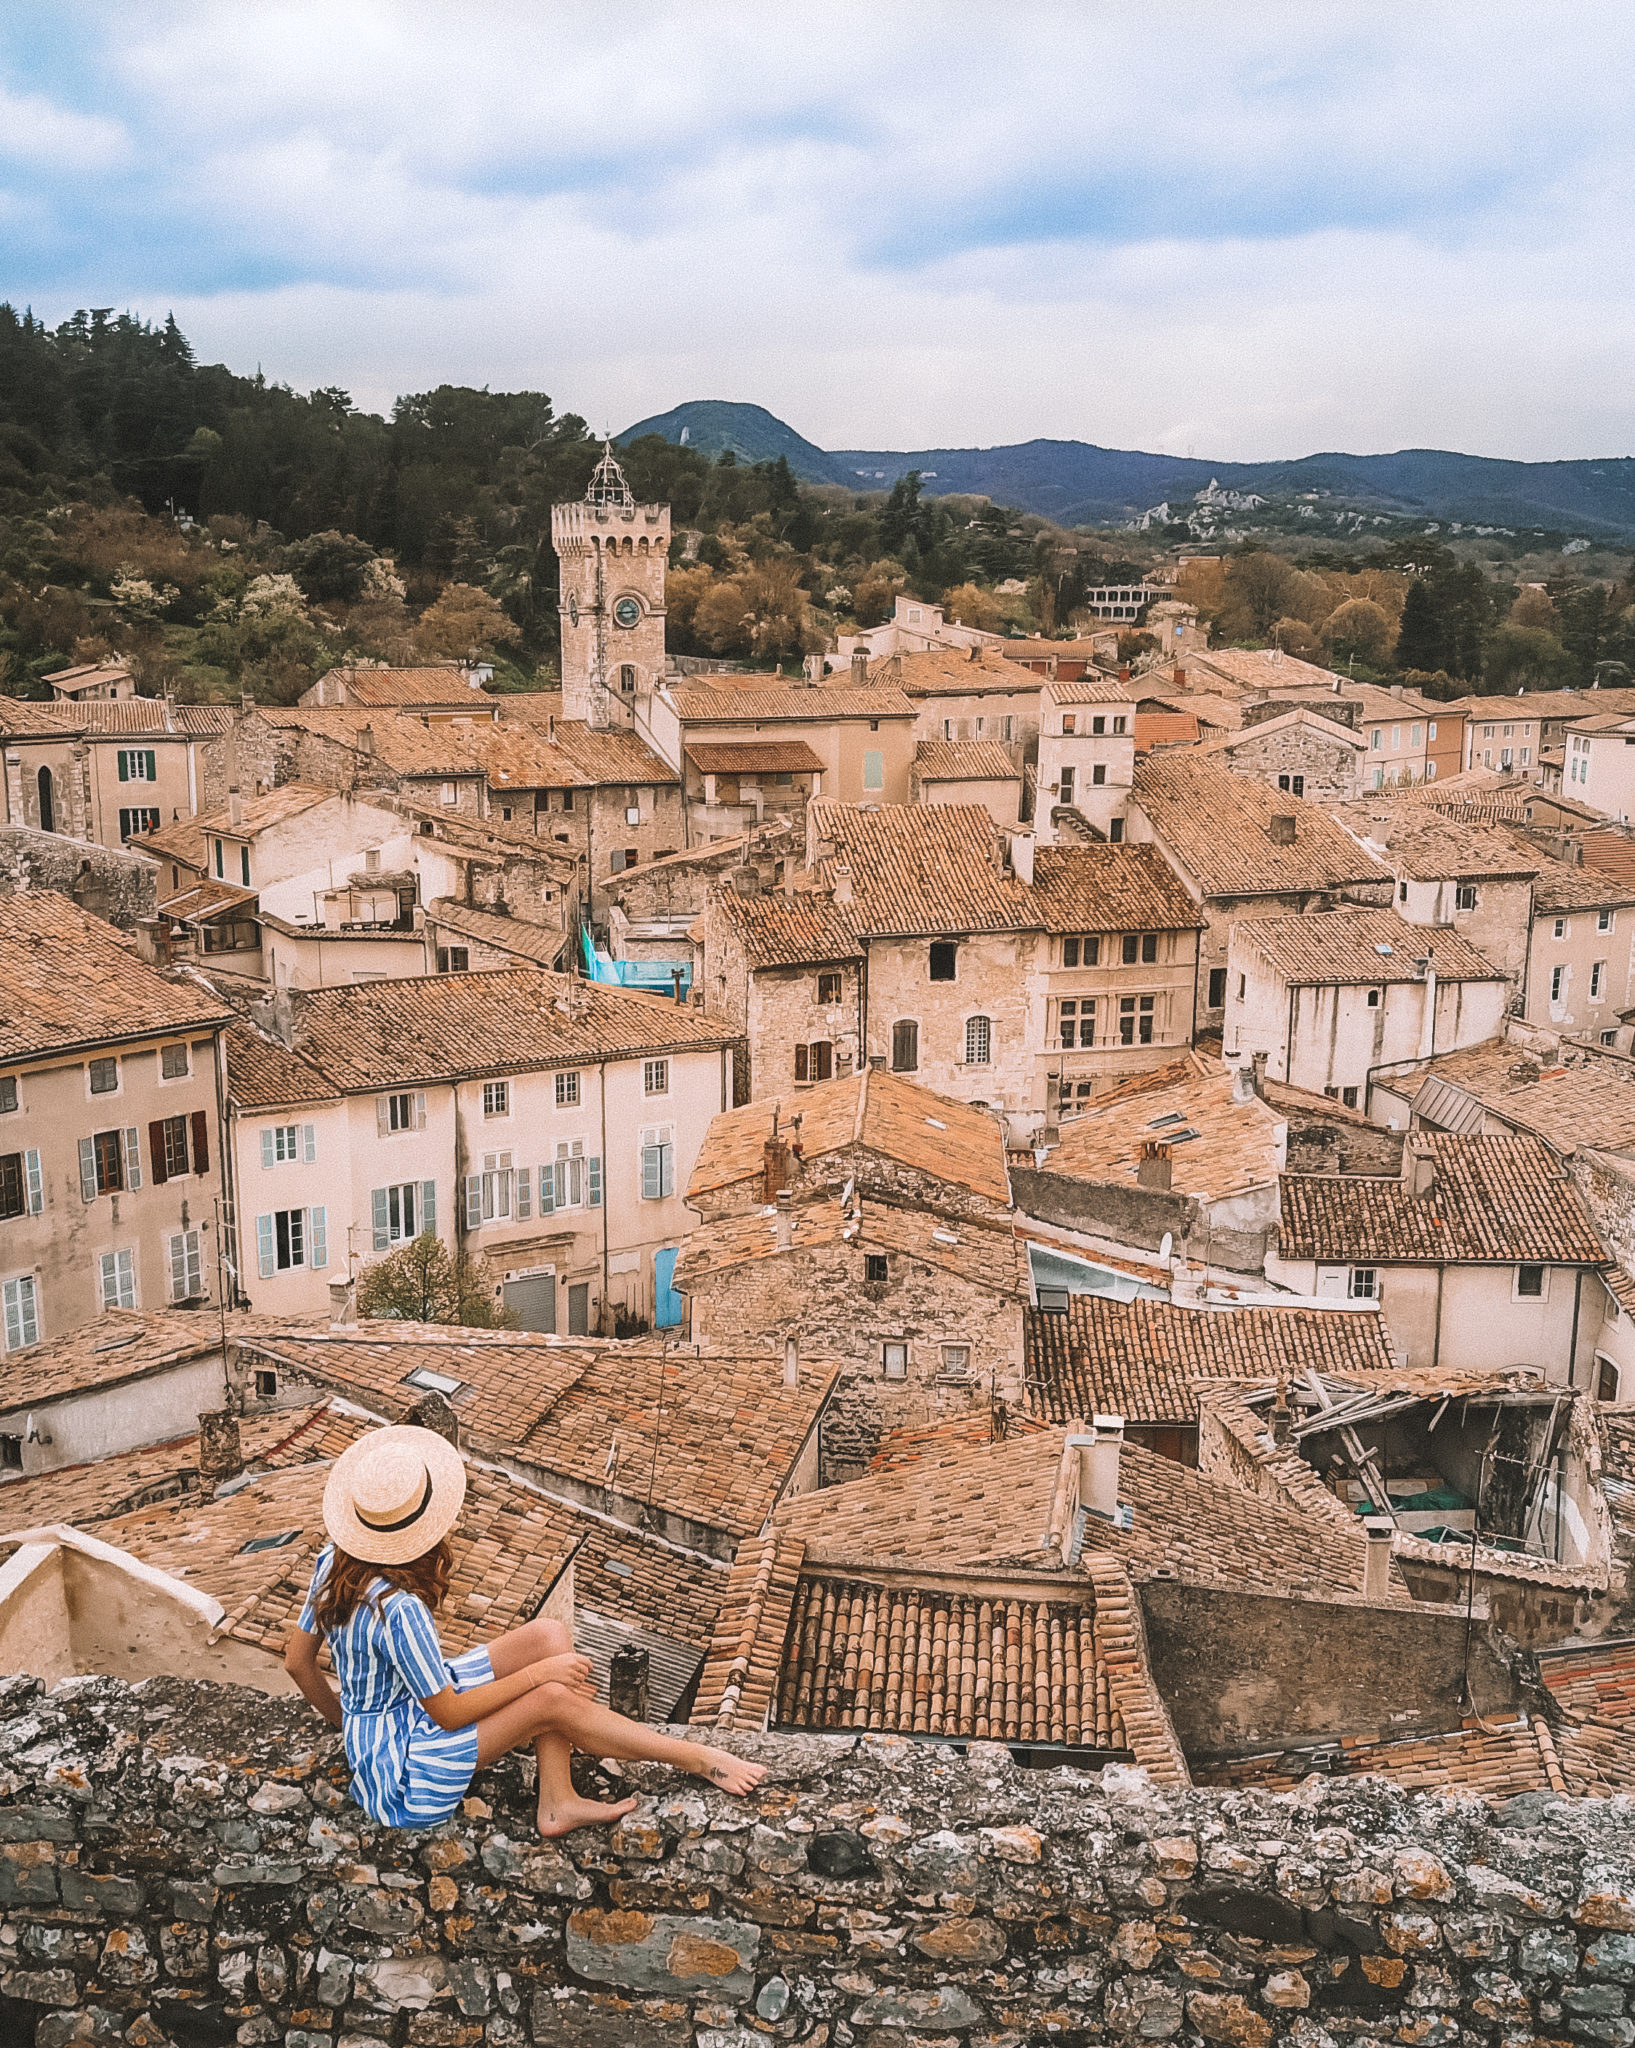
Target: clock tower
(613,554)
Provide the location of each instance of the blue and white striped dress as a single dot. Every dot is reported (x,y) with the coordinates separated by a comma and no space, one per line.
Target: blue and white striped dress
(406,1771)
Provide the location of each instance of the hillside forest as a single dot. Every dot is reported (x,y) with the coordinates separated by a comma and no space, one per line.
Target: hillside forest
(226,534)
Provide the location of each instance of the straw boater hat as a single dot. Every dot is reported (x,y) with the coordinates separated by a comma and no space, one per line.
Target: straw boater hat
(394,1494)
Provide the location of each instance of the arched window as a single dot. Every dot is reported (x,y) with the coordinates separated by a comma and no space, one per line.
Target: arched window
(978,1041)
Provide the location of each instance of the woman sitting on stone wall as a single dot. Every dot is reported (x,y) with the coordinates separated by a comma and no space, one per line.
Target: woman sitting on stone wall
(417,1725)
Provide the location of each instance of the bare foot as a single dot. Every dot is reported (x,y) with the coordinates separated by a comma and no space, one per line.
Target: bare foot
(565,1815)
(730,1772)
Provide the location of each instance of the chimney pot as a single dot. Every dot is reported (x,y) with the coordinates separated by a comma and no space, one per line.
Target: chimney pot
(1153,1166)
(235,806)
(860,667)
(221,1456)
(343,1304)
(435,1411)
(843,882)
(791,1359)
(1257,1068)
(1099,1456)
(1379,1529)
(1420,1169)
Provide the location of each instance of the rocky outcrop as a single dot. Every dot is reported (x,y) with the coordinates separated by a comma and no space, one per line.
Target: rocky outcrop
(182,1862)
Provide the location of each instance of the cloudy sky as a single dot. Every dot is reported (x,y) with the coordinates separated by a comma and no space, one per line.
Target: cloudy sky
(1243,228)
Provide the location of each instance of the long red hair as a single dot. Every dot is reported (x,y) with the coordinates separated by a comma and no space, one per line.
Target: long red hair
(350,1578)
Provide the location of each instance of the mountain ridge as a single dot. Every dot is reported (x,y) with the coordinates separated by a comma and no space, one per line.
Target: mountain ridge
(1083,483)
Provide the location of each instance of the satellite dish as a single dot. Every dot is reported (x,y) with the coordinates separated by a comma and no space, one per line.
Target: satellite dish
(1165,1249)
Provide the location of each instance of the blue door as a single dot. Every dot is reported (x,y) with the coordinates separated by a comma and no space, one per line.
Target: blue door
(666,1301)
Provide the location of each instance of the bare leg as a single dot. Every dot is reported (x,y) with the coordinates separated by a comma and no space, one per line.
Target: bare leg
(553,1753)
(588,1726)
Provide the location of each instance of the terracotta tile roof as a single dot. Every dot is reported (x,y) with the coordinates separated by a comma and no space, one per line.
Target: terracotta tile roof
(1231,1145)
(1499,1200)
(446,687)
(964,761)
(487,842)
(1493,1762)
(530,707)
(790,931)
(1124,888)
(1285,721)
(951,672)
(1593,886)
(1420,842)
(611,755)
(1589,1104)
(181,840)
(1140,1359)
(1251,669)
(120,718)
(68,981)
(263,1074)
(922,868)
(401,745)
(1164,729)
(1593,1681)
(272,807)
(514,935)
(753,757)
(983,1254)
(397,1034)
(882,1112)
(206,900)
(1611,855)
(902,1449)
(1216,826)
(772,703)
(1020,1666)
(1360,946)
(712,1437)
(1089,688)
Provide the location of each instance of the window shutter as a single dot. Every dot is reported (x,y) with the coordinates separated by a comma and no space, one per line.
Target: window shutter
(124,765)
(382,1116)
(317,1237)
(266,1148)
(178,1266)
(652,1173)
(801,1065)
(525,1185)
(201,1142)
(156,1151)
(153,765)
(593,1181)
(667,1169)
(382,1220)
(265,1249)
(420,1109)
(36,1182)
(88,1169)
(126,1274)
(474,1201)
(309,1142)
(428,1207)
(133,1157)
(110,1280)
(547,1191)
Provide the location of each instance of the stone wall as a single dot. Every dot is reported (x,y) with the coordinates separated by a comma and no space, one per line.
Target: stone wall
(1229,1234)
(107,881)
(1329,768)
(181,1863)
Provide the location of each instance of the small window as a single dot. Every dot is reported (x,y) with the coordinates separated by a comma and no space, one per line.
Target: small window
(1130,950)
(1558,976)
(1098,725)
(874,769)
(815,1062)
(1070,952)
(173,1062)
(117,1279)
(894,1360)
(978,1041)
(1243,986)
(1070,721)
(1135,1020)
(956,1361)
(1598,980)
(828,989)
(944,954)
(1374,998)
(1402,892)
(1603,920)
(281,1541)
(905,1046)
(1064,785)
(22,1313)
(1098,775)
(496,1098)
(266,1384)
(244,865)
(876,1269)
(1606,1379)
(1053,1300)
(655,1077)
(8,1092)
(104,1077)
(430,1382)
(400,1113)
(1217,988)
(1349,1097)
(1076,1021)
(1464,897)
(453,959)
(449,793)
(1365,1283)
(11,1453)
(567,1091)
(1529,1283)
(1560,928)
(1115,831)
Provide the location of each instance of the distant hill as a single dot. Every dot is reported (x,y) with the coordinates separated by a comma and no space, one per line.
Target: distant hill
(1079,483)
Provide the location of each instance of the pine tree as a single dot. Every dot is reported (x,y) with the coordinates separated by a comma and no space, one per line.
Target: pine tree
(1422,636)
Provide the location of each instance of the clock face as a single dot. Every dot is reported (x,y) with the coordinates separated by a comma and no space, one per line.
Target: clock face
(627,612)
(573,608)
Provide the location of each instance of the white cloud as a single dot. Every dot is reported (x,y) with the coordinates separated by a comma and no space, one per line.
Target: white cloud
(34,127)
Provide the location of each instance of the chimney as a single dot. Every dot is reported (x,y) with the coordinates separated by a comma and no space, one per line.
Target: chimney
(974,651)
(366,740)
(1124,671)
(675,981)
(1098,1465)
(1378,1529)
(235,806)
(791,1359)
(843,882)
(774,1167)
(221,1456)
(246,702)
(435,1412)
(1281,828)
(860,667)
(1021,851)
(1418,1169)
(343,1305)
(1257,1066)
(1243,1083)
(627,1682)
(812,668)
(786,1218)
(1282,1415)
(877,1060)
(1180,677)
(1153,1165)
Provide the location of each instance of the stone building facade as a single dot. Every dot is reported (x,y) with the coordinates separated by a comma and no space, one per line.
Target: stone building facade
(613,554)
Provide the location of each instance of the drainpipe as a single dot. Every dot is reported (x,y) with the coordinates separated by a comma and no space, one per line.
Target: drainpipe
(1288,1038)
(607,1189)
(1572,1347)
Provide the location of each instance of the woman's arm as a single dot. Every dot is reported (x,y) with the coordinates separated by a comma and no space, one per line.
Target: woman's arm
(451,1709)
(301,1662)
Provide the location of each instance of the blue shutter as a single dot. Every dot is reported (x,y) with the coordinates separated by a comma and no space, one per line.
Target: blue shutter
(36,1184)
(317,1237)
(381,1204)
(593,1181)
(428,1207)
(547,1191)
(474,1201)
(88,1169)
(267,1148)
(265,1247)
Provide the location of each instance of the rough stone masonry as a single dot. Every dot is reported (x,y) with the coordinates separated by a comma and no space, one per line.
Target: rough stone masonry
(181,1862)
